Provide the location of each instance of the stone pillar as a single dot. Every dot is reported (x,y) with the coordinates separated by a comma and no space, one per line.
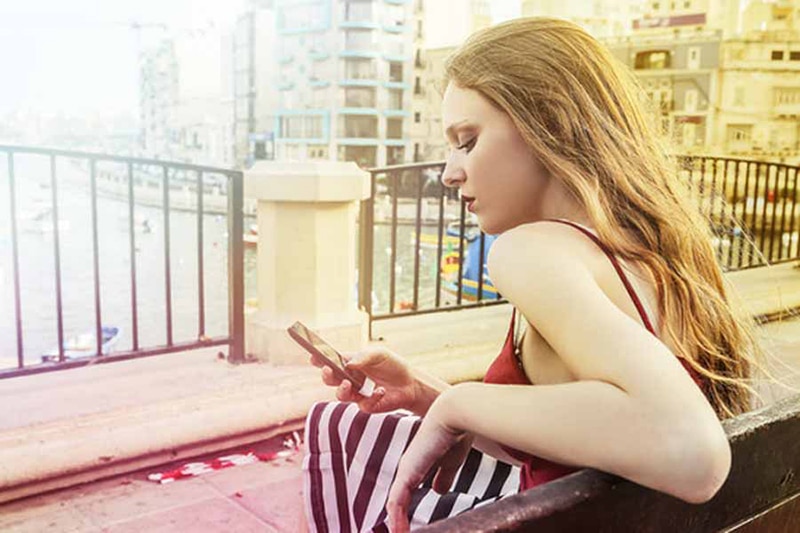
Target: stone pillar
(307,238)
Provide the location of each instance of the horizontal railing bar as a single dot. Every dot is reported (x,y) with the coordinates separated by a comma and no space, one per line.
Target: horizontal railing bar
(410,166)
(679,158)
(121,356)
(482,303)
(77,154)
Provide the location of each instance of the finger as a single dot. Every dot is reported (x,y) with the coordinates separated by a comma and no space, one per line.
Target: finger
(344,392)
(315,361)
(365,358)
(373,404)
(329,378)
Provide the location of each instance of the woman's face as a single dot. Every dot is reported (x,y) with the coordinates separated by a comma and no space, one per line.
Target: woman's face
(499,178)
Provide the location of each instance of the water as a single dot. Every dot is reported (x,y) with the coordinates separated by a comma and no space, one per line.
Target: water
(37,265)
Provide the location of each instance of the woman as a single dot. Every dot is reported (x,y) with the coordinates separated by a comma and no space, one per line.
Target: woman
(631,347)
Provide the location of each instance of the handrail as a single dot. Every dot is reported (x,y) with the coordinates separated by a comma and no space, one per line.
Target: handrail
(752,207)
(128,193)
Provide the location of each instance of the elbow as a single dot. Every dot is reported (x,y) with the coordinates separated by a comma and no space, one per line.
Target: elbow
(706,462)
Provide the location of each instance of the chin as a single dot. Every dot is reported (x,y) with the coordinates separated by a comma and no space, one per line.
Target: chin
(491,228)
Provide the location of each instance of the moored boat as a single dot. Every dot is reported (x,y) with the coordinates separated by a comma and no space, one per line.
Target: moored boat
(85,345)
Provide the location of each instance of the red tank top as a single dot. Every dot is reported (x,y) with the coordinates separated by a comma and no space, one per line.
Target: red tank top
(507,369)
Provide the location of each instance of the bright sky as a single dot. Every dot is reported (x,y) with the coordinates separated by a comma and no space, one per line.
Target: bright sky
(79,56)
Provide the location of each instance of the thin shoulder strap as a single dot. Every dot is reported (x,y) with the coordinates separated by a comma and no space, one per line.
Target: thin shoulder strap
(621,273)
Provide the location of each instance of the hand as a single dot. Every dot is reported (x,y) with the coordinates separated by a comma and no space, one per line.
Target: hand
(395,385)
(435,446)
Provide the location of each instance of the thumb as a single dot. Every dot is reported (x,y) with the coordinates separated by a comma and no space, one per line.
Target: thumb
(359,360)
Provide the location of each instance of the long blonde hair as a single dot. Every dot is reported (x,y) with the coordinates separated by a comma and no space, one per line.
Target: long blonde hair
(581,113)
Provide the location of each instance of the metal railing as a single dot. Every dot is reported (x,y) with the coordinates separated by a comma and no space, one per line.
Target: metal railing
(751,205)
(178,187)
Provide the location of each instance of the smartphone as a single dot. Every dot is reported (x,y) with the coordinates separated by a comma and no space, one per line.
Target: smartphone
(316,346)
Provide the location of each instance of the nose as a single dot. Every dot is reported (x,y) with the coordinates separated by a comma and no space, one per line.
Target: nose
(453,174)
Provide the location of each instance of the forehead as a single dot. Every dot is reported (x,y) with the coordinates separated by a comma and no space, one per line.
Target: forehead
(459,104)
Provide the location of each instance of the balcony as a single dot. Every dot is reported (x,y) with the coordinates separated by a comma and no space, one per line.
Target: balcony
(88,420)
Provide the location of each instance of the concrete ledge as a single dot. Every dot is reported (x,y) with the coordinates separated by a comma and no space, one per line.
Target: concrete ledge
(85,424)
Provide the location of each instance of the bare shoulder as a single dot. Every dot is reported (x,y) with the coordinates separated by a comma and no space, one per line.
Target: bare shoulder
(539,253)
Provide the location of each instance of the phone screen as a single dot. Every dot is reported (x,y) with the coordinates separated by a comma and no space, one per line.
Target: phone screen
(317,342)
(314,343)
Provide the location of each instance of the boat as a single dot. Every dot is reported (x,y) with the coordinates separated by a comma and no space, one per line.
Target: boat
(473,266)
(85,345)
(450,237)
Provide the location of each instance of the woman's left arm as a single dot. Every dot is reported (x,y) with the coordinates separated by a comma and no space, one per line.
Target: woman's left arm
(633,411)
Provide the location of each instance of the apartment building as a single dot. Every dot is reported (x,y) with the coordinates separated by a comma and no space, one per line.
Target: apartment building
(722,76)
(182,114)
(343,78)
(254,98)
(759,104)
(440,28)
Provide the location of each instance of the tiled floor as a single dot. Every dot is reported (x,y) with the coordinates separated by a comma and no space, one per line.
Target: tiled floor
(258,498)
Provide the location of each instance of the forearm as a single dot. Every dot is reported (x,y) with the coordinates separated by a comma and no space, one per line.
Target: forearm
(594,424)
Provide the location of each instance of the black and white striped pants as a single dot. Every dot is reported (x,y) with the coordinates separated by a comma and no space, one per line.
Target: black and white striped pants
(351,461)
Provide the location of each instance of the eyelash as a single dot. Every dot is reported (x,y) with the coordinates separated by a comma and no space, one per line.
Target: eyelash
(468,146)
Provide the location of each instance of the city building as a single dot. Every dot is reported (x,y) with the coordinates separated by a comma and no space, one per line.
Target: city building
(601,18)
(681,80)
(254,97)
(759,104)
(440,27)
(182,113)
(722,76)
(342,76)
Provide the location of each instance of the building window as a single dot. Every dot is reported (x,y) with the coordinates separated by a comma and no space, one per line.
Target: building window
(358,126)
(359,97)
(395,71)
(687,4)
(359,69)
(787,95)
(359,39)
(395,16)
(394,128)
(301,127)
(777,55)
(690,100)
(357,10)
(693,58)
(417,85)
(794,55)
(739,133)
(318,151)
(364,156)
(652,59)
(395,99)
(395,155)
(417,118)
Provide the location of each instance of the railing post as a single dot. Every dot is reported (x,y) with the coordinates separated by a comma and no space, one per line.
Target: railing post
(236,267)
(366,235)
(306,256)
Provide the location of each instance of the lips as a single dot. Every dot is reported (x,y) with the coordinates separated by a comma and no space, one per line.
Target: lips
(469,201)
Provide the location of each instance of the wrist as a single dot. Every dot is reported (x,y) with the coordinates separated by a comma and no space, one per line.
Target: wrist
(424,396)
(448,407)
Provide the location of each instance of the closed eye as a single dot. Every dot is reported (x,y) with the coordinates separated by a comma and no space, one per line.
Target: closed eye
(468,145)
